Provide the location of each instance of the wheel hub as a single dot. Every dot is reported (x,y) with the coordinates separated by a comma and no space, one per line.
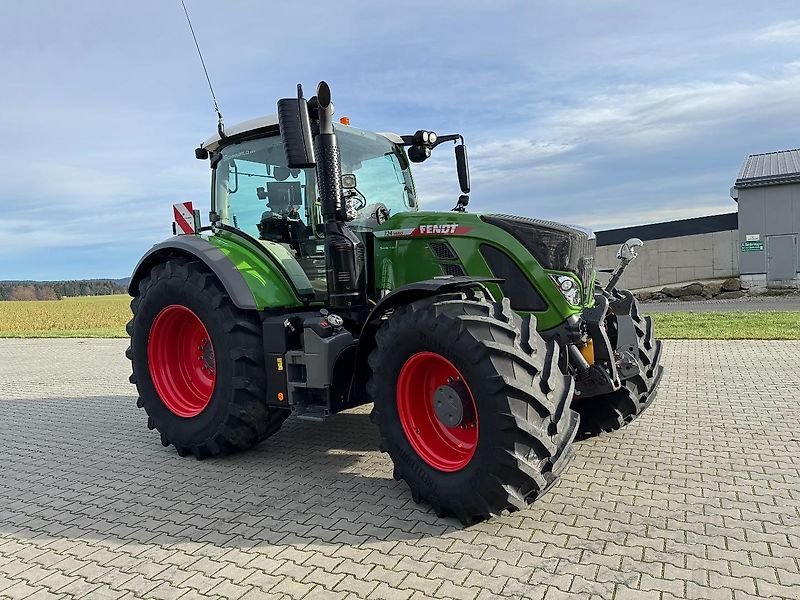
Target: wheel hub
(448,406)
(206,356)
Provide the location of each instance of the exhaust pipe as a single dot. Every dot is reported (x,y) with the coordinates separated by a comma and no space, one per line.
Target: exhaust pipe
(344,251)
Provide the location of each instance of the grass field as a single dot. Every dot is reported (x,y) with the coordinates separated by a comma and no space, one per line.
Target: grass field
(105,316)
(93,316)
(756,325)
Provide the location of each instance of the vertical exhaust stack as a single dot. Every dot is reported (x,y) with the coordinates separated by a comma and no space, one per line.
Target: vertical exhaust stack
(344,251)
(326,149)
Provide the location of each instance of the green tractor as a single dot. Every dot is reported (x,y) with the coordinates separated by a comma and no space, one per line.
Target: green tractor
(483,340)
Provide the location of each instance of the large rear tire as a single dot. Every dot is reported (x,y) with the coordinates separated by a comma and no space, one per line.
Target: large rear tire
(198,363)
(506,441)
(610,412)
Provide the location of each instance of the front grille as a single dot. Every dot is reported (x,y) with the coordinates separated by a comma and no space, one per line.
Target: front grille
(555,246)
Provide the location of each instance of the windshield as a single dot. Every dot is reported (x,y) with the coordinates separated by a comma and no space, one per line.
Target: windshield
(256,192)
(383,177)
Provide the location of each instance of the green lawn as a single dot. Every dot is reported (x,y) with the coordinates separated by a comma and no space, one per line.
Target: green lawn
(105,317)
(728,326)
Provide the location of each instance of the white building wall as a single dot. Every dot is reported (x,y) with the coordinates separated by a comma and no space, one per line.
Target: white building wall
(679,259)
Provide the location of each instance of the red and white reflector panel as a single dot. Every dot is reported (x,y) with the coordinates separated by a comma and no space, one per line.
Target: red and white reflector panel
(184,216)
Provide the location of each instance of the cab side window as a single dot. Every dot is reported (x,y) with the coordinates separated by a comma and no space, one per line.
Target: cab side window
(258,194)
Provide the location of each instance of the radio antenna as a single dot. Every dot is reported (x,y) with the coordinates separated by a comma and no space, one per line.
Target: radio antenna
(220,122)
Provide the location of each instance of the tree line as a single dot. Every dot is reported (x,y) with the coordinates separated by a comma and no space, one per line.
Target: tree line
(55,290)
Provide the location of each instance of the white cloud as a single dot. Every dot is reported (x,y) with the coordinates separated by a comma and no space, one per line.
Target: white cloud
(608,150)
(604,113)
(785,31)
(658,114)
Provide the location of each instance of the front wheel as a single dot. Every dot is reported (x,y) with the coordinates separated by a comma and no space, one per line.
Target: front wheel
(198,363)
(470,404)
(613,411)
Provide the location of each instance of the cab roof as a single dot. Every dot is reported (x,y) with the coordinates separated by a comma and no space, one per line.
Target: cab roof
(215,141)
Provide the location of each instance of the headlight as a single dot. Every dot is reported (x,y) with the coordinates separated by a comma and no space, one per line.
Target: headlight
(568,288)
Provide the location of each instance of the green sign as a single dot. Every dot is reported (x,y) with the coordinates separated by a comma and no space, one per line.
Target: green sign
(752,246)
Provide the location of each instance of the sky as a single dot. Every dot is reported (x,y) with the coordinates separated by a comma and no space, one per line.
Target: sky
(600,113)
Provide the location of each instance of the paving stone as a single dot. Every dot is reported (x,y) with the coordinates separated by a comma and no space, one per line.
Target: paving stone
(698,498)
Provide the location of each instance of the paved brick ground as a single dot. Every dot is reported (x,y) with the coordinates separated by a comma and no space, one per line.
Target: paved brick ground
(698,499)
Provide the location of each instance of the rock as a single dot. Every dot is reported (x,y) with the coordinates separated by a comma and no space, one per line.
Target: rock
(669,299)
(693,289)
(731,285)
(732,295)
(644,296)
(778,292)
(756,291)
(691,298)
(657,296)
(711,289)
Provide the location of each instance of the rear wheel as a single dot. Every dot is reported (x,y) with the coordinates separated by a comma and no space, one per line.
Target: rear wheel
(613,411)
(470,404)
(198,363)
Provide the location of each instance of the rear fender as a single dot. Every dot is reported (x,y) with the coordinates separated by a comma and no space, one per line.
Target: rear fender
(250,286)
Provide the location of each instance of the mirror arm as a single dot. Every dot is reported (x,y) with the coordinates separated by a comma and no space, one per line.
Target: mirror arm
(448,138)
(408,140)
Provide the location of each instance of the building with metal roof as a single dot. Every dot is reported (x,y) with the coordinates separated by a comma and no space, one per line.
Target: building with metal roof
(759,242)
(768,193)
(769,168)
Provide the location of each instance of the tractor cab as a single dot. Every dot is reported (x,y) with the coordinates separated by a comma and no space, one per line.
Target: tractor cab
(255,191)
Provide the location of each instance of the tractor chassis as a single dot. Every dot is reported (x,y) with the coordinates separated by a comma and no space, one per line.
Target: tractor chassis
(309,363)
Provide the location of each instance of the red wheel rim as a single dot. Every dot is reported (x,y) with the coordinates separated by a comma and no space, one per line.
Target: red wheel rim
(181,360)
(446,448)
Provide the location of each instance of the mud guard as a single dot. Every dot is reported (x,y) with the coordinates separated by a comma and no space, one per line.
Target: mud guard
(196,247)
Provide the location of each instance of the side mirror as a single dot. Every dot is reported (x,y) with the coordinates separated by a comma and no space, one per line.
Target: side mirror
(627,251)
(462,166)
(295,127)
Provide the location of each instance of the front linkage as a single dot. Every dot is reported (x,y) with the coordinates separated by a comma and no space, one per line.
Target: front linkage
(625,373)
